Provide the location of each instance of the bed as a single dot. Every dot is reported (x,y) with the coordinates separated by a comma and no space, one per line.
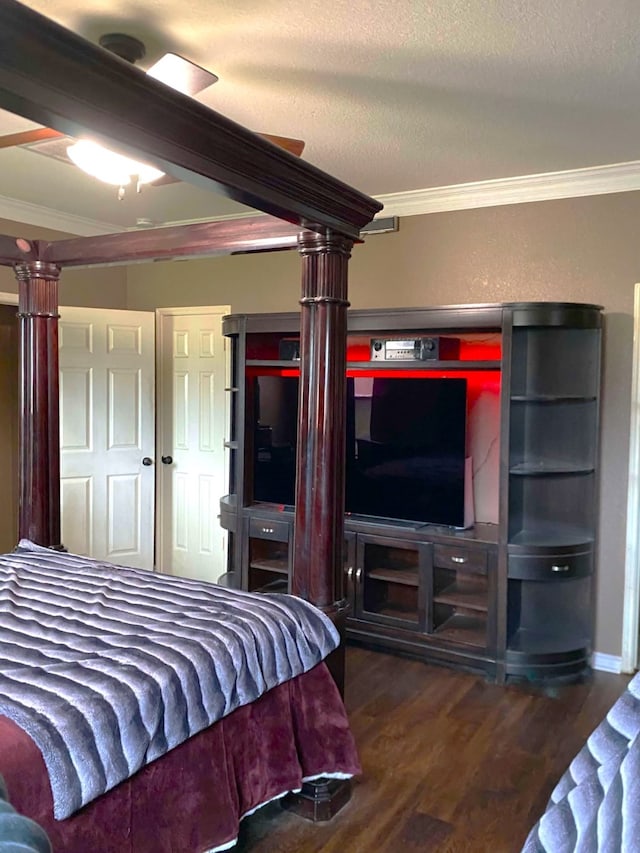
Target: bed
(595,807)
(57,79)
(190,703)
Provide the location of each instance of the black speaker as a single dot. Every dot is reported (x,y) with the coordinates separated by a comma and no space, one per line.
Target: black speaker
(289,349)
(439,349)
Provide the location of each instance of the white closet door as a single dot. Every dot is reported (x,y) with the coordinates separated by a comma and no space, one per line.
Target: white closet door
(107,432)
(191,431)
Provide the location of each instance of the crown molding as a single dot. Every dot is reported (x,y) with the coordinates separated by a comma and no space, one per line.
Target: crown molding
(47,217)
(597,180)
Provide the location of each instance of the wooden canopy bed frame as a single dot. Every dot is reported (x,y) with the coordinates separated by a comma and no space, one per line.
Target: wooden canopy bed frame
(58,79)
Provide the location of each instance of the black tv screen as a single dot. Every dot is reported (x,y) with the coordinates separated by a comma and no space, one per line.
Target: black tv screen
(275,438)
(408,459)
(405,446)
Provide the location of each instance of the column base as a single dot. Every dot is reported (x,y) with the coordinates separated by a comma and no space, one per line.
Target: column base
(320,799)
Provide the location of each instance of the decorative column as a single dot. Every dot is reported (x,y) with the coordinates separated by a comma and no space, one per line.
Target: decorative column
(319,521)
(39,510)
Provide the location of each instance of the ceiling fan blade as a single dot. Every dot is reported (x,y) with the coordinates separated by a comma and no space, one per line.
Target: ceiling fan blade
(293,146)
(181,74)
(26,137)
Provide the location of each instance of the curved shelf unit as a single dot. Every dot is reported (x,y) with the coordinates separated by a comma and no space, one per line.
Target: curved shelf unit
(551,538)
(544,647)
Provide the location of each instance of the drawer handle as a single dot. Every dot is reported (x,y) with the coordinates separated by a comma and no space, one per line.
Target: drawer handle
(560,568)
(268,530)
(459,560)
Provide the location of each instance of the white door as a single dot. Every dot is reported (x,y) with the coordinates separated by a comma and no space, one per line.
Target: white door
(191,430)
(107,452)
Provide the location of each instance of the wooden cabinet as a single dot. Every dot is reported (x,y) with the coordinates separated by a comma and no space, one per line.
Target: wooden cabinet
(267,564)
(512,594)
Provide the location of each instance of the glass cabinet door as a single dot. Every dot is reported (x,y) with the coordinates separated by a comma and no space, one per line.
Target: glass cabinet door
(390,581)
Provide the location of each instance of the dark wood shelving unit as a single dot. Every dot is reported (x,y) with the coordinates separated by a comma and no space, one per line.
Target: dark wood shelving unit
(509,597)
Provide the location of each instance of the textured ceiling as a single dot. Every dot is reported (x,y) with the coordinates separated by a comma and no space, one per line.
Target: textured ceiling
(406,94)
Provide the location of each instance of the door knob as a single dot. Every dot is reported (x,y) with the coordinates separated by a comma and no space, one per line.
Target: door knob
(167,460)
(147,460)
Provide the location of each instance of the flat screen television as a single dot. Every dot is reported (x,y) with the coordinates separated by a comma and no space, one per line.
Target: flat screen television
(405,446)
(408,458)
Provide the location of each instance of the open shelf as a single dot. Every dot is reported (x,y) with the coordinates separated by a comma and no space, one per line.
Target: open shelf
(550,536)
(458,364)
(279,585)
(467,628)
(397,611)
(548,468)
(293,364)
(545,641)
(472,596)
(407,577)
(552,398)
(278,565)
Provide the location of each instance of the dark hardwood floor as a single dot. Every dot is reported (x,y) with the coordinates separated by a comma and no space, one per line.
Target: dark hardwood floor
(450,763)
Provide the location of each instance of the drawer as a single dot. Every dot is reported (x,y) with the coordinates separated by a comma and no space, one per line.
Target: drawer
(266,528)
(550,567)
(461,559)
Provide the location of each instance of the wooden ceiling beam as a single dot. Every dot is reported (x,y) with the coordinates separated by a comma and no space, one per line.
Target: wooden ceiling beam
(15,250)
(58,79)
(229,236)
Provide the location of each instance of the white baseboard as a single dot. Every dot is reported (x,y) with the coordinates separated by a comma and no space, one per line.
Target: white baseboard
(606,663)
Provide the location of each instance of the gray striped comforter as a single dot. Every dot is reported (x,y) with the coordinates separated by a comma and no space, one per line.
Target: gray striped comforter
(107,668)
(595,807)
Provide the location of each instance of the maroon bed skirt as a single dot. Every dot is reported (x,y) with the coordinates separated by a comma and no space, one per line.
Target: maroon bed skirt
(193,798)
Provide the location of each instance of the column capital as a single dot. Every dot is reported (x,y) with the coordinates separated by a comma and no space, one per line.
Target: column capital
(26,270)
(326,243)
(37,288)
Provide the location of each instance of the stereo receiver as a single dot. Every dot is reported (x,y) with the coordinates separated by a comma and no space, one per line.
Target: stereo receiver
(415,349)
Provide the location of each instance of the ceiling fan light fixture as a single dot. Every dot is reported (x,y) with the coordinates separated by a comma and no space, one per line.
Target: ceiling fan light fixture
(110,167)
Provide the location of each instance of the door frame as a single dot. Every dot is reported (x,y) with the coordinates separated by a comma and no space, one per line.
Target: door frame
(631,611)
(199,310)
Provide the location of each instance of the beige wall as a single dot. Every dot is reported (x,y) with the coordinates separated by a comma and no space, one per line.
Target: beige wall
(583,250)
(96,288)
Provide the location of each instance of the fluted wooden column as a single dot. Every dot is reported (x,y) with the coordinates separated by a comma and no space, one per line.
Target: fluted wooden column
(319,521)
(319,524)
(39,510)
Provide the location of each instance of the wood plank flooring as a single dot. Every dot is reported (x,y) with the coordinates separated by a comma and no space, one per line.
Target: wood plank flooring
(451,764)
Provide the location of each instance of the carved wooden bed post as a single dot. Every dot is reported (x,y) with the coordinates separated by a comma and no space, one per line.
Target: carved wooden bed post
(319,520)
(39,510)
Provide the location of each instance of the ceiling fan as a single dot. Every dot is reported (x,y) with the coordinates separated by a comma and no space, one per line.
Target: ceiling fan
(107,165)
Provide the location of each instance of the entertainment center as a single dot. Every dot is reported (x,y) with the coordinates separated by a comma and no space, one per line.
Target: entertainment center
(451,411)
